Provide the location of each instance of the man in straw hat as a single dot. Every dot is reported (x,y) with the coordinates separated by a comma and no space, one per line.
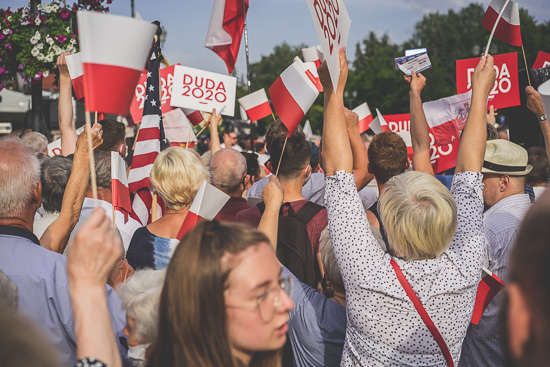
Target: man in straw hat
(504,171)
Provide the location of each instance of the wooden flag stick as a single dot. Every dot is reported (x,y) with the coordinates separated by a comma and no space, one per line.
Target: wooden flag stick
(92,161)
(281,158)
(205,126)
(114,225)
(154,208)
(95,120)
(272,115)
(526,67)
(495,27)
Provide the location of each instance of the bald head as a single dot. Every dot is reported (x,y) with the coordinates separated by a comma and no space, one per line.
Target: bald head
(227,168)
(19,176)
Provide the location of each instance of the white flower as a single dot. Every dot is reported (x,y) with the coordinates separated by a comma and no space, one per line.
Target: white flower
(33,40)
(37,21)
(39,46)
(73,41)
(9,18)
(68,29)
(40,57)
(49,58)
(70,48)
(47,8)
(6,31)
(35,51)
(55,7)
(57,50)
(46,73)
(49,40)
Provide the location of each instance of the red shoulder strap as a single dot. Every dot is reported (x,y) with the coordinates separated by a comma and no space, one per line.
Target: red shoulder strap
(423,314)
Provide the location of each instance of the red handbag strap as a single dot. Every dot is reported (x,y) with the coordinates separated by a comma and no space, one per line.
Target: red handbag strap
(423,314)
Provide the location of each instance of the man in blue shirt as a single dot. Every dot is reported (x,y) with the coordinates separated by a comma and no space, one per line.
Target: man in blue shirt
(40,274)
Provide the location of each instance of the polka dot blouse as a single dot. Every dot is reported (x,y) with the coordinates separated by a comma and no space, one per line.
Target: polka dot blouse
(384,328)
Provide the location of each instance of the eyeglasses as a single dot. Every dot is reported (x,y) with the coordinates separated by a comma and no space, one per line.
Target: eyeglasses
(268,302)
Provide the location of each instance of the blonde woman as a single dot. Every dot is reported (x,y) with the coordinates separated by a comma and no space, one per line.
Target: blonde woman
(176,177)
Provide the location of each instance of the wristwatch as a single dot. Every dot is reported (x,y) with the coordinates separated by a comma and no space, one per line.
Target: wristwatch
(542,118)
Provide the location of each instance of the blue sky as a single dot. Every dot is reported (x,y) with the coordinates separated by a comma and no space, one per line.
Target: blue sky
(270,22)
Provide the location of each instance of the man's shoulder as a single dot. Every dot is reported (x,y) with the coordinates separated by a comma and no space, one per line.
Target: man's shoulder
(257,187)
(249,216)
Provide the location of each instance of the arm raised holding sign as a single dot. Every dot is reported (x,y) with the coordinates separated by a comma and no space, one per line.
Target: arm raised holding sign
(534,104)
(420,133)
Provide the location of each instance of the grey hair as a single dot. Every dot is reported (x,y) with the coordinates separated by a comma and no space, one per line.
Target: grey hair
(19,176)
(329,261)
(103,169)
(55,176)
(227,169)
(36,142)
(140,296)
(9,297)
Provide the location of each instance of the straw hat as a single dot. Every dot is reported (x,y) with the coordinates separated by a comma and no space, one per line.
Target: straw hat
(505,158)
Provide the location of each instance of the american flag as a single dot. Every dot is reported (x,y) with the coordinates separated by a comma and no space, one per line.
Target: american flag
(150,142)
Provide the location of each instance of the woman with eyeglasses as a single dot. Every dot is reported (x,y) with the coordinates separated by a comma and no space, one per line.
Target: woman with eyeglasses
(224,301)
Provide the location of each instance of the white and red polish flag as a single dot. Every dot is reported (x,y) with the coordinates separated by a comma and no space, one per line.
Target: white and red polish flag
(365,117)
(256,105)
(508,29)
(114,50)
(487,289)
(226,30)
(379,124)
(194,116)
(313,54)
(292,94)
(119,186)
(447,116)
(207,204)
(312,73)
(76,72)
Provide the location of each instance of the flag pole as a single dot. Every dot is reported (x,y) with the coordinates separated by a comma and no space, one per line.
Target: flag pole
(495,27)
(273,115)
(91,155)
(280,159)
(154,208)
(205,126)
(114,225)
(248,73)
(526,67)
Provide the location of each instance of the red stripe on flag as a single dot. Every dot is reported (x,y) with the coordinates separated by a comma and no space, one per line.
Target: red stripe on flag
(120,195)
(363,124)
(143,160)
(195,118)
(109,88)
(488,288)
(314,80)
(445,133)
(149,133)
(191,219)
(288,110)
(78,86)
(505,31)
(258,112)
(317,63)
(143,183)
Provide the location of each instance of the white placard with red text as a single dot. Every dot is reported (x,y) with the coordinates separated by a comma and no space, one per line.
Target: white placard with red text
(203,90)
(442,157)
(166,79)
(332,24)
(505,92)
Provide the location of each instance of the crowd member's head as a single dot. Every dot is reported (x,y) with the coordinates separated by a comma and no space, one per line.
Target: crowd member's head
(492,133)
(54,178)
(36,142)
(276,129)
(224,302)
(528,288)
(419,215)
(253,171)
(114,137)
(259,146)
(9,297)
(504,171)
(387,156)
(20,187)
(228,171)
(295,161)
(332,272)
(541,167)
(176,176)
(503,132)
(315,159)
(367,137)
(103,176)
(140,296)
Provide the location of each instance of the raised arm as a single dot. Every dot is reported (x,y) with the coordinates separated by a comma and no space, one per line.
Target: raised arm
(214,122)
(272,196)
(65,108)
(474,136)
(91,257)
(534,104)
(420,133)
(57,235)
(337,154)
(358,150)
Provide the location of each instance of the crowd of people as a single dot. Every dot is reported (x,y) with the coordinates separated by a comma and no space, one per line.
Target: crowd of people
(308,267)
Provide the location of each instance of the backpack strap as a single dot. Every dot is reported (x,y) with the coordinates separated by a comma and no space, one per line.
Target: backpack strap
(261,208)
(422,312)
(308,211)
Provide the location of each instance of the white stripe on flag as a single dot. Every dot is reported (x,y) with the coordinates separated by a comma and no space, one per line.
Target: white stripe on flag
(254,99)
(114,40)
(138,174)
(148,146)
(209,201)
(74,64)
(511,13)
(362,111)
(300,87)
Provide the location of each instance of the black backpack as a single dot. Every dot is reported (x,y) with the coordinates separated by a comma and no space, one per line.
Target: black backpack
(293,243)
